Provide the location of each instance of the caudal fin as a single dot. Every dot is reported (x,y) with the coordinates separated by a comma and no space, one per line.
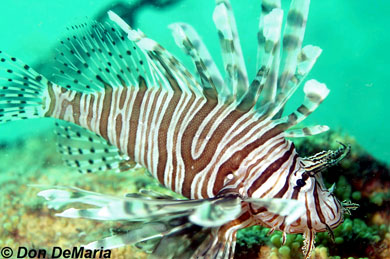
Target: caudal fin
(22,90)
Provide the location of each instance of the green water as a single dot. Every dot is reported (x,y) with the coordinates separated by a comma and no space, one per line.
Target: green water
(354,65)
(353,35)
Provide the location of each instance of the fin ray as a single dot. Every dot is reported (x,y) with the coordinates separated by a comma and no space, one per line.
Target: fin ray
(95,54)
(315,93)
(88,152)
(306,131)
(187,39)
(23,91)
(234,64)
(264,82)
(171,71)
(292,40)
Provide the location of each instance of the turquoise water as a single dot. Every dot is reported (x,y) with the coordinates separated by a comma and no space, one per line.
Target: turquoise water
(353,35)
(354,64)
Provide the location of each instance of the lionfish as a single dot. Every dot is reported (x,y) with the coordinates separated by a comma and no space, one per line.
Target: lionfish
(218,141)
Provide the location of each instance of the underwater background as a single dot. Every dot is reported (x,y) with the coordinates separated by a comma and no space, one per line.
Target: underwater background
(354,64)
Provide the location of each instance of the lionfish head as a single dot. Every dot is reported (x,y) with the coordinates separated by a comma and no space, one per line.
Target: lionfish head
(322,210)
(317,208)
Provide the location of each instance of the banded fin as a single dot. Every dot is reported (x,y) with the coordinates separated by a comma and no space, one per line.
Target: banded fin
(292,41)
(295,64)
(236,76)
(163,221)
(23,92)
(273,26)
(139,208)
(171,238)
(307,58)
(181,243)
(89,152)
(288,65)
(306,131)
(150,194)
(189,41)
(95,55)
(217,213)
(267,6)
(315,93)
(308,243)
(145,236)
(171,72)
(268,57)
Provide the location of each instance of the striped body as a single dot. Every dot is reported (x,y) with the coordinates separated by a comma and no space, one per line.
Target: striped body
(199,149)
(194,146)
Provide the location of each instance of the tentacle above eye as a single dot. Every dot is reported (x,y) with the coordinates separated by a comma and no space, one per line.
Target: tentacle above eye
(325,159)
(348,206)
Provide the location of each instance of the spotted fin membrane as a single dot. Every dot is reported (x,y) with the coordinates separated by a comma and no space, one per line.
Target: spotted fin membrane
(21,90)
(89,152)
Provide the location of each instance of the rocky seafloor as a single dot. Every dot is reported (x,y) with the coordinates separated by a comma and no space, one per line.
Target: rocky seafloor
(27,222)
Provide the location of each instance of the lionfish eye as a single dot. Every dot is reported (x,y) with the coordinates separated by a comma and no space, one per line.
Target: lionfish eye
(300,183)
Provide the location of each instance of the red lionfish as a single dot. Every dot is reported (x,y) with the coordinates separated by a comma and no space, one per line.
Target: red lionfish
(218,141)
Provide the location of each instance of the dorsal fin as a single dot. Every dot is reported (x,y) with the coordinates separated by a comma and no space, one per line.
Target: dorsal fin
(315,93)
(236,76)
(306,60)
(271,28)
(171,71)
(306,131)
(87,151)
(268,37)
(97,55)
(94,54)
(189,41)
(292,41)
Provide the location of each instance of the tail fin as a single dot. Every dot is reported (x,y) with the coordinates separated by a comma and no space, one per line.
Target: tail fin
(22,90)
